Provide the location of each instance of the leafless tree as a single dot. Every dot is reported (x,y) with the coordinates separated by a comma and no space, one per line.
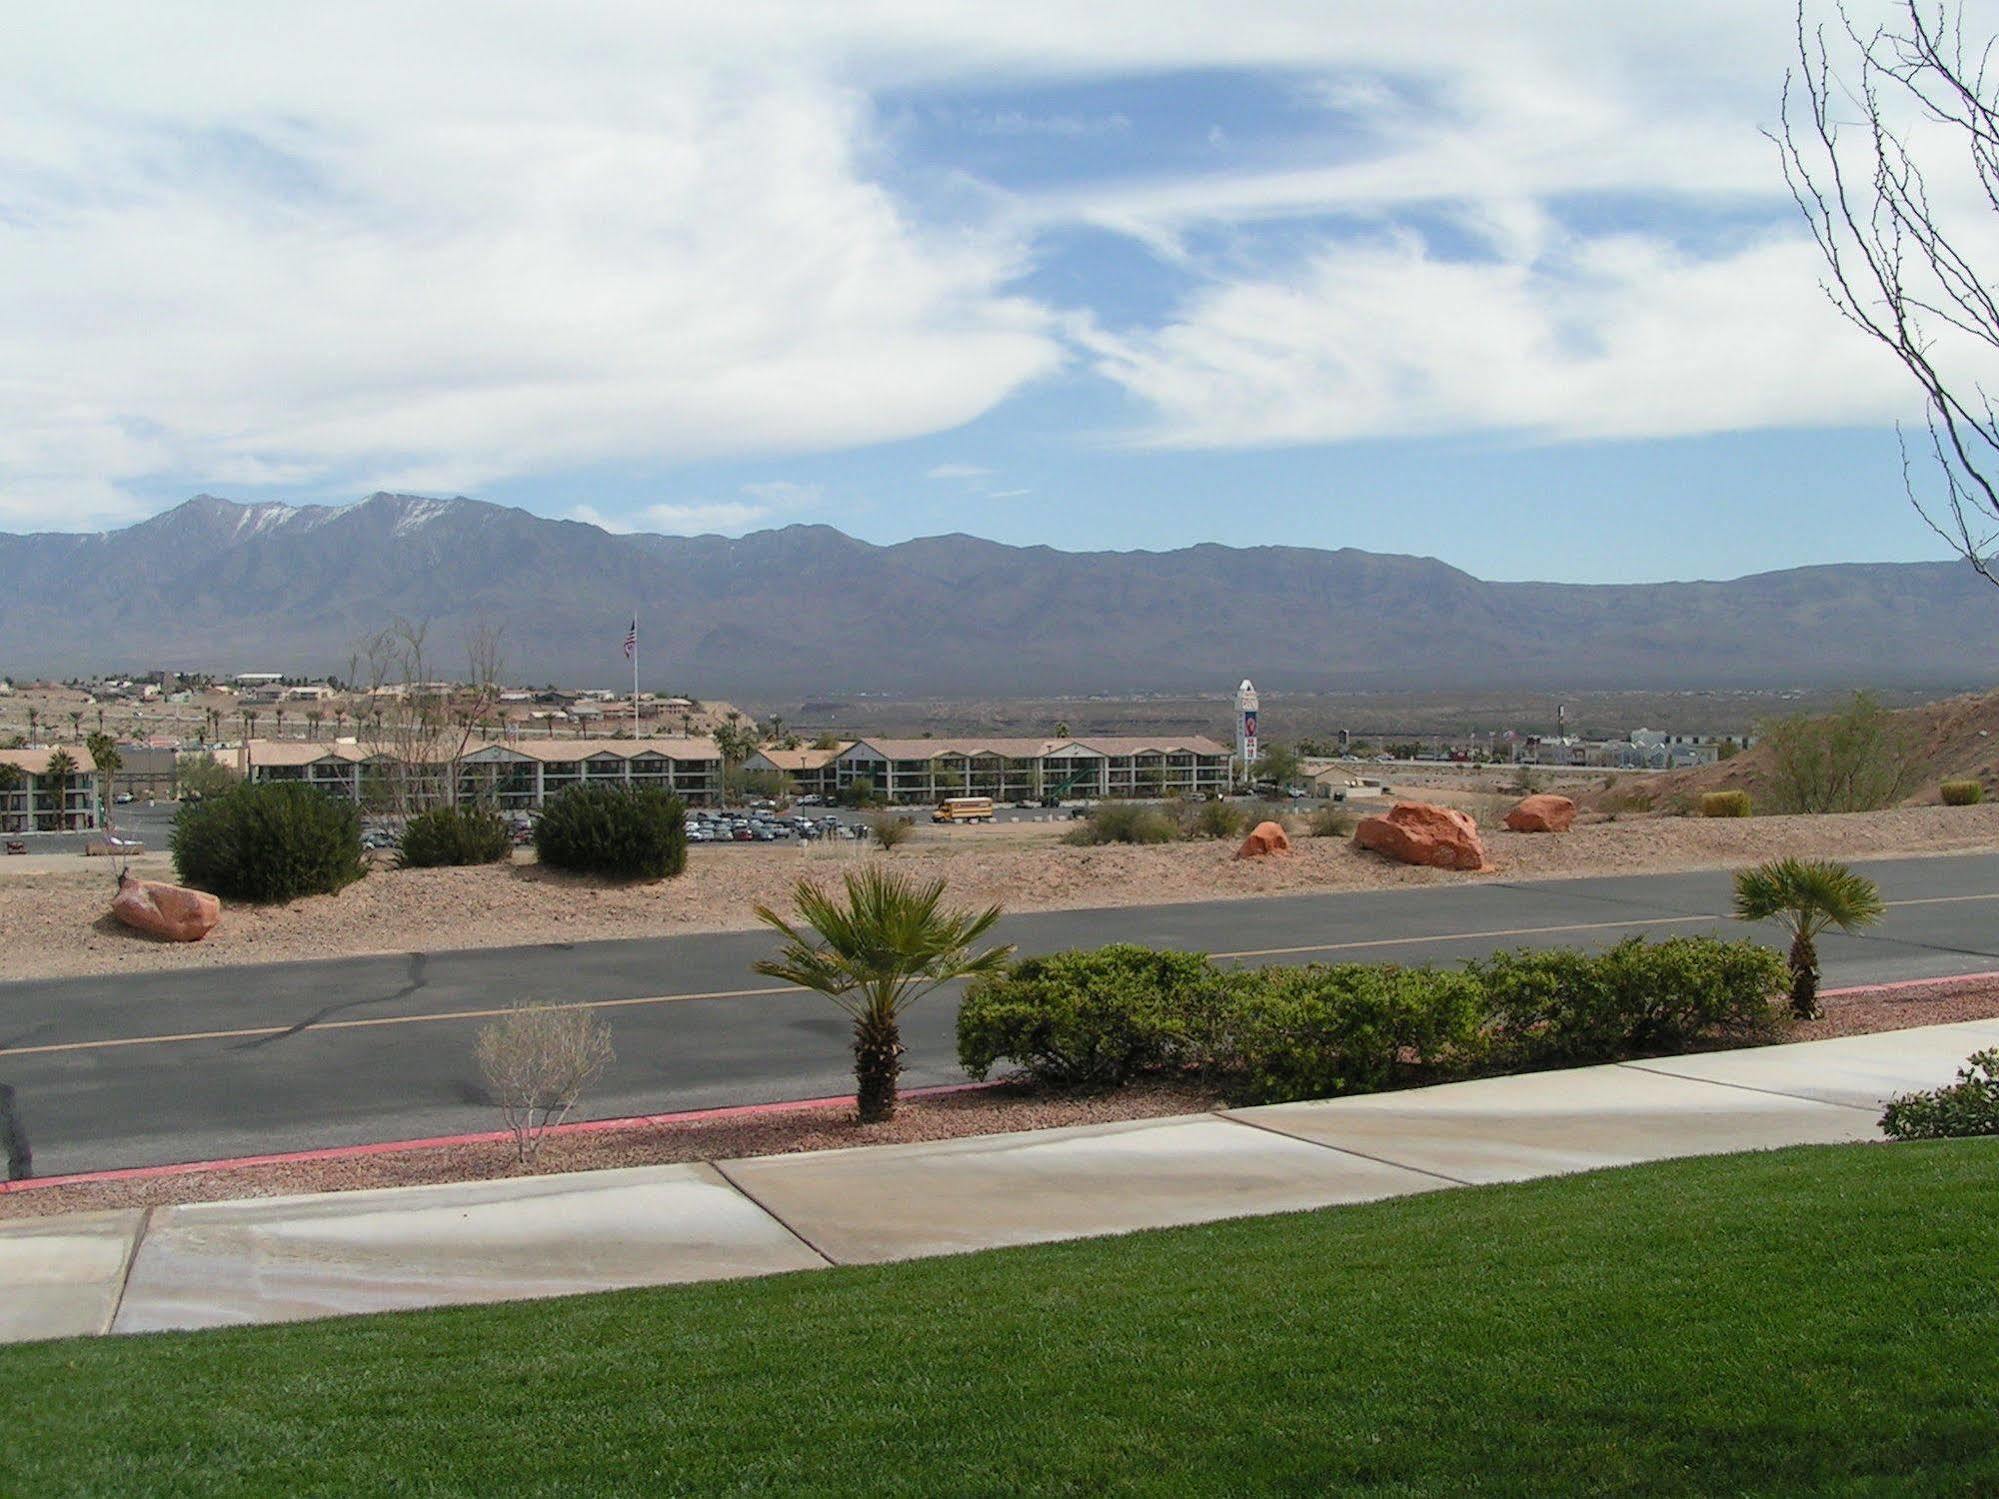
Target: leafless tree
(537,1061)
(1890,144)
(420,729)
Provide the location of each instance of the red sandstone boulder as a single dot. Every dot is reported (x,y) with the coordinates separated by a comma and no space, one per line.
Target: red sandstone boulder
(165,911)
(1418,833)
(1264,838)
(1542,813)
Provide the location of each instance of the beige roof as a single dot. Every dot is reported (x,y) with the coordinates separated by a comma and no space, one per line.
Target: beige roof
(1028,749)
(305,752)
(800,759)
(672,747)
(35,762)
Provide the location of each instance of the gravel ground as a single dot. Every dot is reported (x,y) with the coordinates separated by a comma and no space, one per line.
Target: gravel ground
(56,919)
(942,1116)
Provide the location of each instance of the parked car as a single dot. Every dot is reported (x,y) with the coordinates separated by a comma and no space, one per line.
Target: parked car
(122,799)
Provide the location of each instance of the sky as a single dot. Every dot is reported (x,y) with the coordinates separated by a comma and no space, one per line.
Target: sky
(1517,286)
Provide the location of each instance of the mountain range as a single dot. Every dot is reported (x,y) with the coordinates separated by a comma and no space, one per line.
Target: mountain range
(216,585)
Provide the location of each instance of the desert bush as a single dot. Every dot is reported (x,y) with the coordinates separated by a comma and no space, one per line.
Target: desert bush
(1329,822)
(268,841)
(1857,760)
(1559,1007)
(1293,1033)
(1627,799)
(199,776)
(1216,820)
(453,835)
(1961,793)
(1125,822)
(1090,1019)
(1724,804)
(627,833)
(891,829)
(537,1060)
(1969,1106)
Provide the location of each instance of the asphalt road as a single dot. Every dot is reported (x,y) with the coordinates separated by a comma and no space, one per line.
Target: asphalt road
(146,1069)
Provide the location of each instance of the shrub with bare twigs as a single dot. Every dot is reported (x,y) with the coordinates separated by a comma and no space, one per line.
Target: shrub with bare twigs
(537,1061)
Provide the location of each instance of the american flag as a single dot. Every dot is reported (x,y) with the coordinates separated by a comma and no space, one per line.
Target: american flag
(632,639)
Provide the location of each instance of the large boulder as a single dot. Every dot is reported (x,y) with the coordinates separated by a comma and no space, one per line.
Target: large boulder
(170,912)
(1264,838)
(1542,813)
(1419,833)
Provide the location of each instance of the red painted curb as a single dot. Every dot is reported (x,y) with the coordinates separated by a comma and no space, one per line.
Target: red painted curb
(489,1137)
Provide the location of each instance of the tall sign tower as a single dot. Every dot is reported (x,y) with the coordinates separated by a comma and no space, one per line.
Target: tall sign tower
(1245,724)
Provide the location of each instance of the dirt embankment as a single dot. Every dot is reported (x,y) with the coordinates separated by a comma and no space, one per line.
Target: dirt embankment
(1956,738)
(56,922)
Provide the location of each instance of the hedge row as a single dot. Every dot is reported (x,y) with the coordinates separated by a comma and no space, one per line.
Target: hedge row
(1104,1017)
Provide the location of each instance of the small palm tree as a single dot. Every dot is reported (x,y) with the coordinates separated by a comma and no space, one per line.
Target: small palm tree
(1807,896)
(59,768)
(878,952)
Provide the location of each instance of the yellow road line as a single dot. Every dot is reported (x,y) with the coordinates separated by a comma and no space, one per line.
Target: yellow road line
(250,1032)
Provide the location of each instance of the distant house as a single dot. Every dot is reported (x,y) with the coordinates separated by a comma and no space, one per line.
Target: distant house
(926,770)
(516,776)
(812,771)
(42,803)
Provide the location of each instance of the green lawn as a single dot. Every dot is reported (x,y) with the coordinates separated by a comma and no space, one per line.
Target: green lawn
(1808,1320)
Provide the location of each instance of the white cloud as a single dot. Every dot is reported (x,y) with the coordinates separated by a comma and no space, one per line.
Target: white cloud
(1611,338)
(1005,494)
(957,471)
(287,254)
(726,516)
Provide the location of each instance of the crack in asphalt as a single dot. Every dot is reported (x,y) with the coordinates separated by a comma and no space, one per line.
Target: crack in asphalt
(418,977)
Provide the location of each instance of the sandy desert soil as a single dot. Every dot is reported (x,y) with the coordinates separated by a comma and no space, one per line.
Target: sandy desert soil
(937,1116)
(54,920)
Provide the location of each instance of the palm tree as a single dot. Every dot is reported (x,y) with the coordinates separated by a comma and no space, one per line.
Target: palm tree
(11,780)
(1807,896)
(877,953)
(60,767)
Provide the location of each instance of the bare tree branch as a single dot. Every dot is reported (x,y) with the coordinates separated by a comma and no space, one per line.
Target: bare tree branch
(1902,259)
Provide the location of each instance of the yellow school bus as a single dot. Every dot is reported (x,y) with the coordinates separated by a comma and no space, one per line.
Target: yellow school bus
(964,809)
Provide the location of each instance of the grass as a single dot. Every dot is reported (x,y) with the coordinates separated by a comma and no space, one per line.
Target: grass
(1807,1320)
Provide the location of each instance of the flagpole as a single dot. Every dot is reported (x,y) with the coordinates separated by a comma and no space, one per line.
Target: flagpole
(635,672)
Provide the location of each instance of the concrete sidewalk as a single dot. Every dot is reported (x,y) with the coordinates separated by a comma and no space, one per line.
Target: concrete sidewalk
(280,1259)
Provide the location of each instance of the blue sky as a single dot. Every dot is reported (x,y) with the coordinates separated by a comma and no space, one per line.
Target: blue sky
(1519,287)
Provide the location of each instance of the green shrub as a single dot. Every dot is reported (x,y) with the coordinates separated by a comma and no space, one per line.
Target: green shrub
(1563,1007)
(1969,1106)
(1350,1028)
(1329,822)
(1724,804)
(1961,793)
(1088,1019)
(1265,1034)
(1859,759)
(1217,820)
(627,833)
(453,835)
(1126,822)
(268,841)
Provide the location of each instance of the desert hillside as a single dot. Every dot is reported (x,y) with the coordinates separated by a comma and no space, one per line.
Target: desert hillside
(1956,738)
